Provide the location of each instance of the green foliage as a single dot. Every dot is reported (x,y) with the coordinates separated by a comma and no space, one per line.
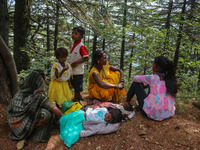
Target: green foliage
(145,33)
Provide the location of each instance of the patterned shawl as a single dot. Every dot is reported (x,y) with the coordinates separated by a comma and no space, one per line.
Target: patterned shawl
(24,108)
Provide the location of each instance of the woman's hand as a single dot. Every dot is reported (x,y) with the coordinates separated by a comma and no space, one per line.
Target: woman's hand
(121,85)
(57,112)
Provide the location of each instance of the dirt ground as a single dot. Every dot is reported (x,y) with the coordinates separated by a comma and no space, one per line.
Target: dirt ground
(181,132)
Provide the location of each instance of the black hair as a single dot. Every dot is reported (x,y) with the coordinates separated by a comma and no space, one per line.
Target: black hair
(80,30)
(96,56)
(41,72)
(61,51)
(129,108)
(117,116)
(167,67)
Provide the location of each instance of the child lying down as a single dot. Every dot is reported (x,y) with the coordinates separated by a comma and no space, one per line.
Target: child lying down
(125,107)
(72,124)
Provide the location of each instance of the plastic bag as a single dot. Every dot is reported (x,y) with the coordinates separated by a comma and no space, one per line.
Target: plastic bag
(66,105)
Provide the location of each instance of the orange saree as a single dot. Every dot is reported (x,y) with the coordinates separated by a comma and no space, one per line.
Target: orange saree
(104,95)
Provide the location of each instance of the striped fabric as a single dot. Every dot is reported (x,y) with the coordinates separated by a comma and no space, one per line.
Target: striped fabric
(27,108)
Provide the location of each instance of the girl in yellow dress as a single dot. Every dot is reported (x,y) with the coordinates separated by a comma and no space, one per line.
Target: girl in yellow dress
(59,90)
(106,82)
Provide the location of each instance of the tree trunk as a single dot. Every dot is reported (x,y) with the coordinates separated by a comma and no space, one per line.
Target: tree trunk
(8,78)
(21,31)
(48,40)
(130,65)
(123,37)
(56,25)
(192,10)
(88,43)
(5,93)
(178,42)
(104,44)
(198,85)
(94,47)
(145,65)
(167,25)
(4,18)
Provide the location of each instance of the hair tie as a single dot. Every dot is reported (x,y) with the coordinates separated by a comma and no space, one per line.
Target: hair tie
(161,74)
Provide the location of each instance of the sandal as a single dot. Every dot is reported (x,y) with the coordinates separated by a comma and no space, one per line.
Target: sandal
(21,144)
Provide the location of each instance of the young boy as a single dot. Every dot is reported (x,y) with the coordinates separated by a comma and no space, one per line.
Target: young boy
(78,55)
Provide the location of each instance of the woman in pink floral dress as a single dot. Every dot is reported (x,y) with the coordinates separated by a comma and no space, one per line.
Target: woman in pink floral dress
(159,104)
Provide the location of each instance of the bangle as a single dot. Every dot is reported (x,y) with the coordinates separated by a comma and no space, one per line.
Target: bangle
(117,86)
(122,80)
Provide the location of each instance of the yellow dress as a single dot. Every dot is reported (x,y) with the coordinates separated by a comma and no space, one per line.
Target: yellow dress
(106,75)
(59,90)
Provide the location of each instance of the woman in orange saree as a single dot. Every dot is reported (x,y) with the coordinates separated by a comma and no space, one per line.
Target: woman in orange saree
(106,82)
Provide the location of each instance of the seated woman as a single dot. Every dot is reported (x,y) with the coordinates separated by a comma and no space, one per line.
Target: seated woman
(106,82)
(30,113)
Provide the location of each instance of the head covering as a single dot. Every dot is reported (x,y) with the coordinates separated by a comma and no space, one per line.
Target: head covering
(33,83)
(24,107)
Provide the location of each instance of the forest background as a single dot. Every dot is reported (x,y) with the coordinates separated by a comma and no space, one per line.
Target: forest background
(131,32)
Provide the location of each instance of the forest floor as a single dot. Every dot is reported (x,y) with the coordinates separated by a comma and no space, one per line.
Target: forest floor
(181,132)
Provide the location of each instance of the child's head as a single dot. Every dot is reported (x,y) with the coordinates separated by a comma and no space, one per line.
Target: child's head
(77,33)
(115,116)
(80,30)
(127,106)
(165,66)
(61,54)
(161,64)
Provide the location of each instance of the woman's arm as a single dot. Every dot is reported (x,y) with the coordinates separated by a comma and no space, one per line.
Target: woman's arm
(57,112)
(105,85)
(52,107)
(112,68)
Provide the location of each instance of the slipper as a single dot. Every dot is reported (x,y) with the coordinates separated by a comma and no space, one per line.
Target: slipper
(20,144)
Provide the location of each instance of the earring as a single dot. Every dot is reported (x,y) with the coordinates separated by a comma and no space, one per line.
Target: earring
(98,61)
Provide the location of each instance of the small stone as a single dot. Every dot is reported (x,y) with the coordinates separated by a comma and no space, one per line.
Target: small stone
(98,148)
(142,133)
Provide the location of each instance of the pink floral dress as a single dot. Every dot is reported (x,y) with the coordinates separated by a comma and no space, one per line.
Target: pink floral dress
(158,105)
